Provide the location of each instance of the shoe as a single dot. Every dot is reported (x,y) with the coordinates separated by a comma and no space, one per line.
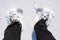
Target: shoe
(44,13)
(15,15)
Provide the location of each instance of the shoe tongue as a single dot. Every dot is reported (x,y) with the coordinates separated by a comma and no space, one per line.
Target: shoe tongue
(17,23)
(43,21)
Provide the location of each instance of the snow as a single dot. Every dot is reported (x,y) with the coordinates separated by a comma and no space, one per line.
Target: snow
(29,15)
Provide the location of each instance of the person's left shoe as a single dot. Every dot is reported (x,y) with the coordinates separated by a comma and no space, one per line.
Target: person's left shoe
(15,15)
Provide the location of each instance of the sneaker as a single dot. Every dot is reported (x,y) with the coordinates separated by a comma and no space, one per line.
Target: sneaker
(44,13)
(15,15)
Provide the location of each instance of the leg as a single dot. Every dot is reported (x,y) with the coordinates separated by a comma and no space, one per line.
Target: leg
(42,32)
(13,31)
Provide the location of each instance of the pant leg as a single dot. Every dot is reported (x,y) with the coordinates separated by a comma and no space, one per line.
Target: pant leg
(42,32)
(13,31)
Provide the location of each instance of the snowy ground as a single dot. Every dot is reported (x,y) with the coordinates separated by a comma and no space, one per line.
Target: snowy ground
(29,14)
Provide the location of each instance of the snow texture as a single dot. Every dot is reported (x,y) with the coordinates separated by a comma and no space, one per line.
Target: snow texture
(29,13)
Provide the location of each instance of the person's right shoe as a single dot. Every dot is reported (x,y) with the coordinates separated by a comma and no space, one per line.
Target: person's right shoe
(44,13)
(43,19)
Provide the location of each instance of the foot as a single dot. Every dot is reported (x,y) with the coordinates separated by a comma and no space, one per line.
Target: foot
(15,15)
(44,13)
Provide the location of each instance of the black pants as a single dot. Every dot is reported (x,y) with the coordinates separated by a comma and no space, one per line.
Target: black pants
(13,31)
(42,32)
